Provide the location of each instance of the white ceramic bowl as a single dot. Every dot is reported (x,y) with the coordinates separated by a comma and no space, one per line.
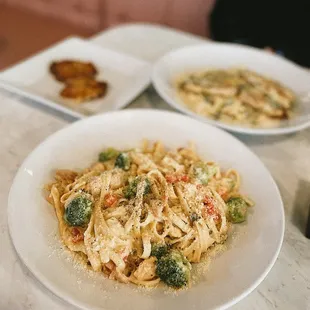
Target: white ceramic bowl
(222,55)
(233,274)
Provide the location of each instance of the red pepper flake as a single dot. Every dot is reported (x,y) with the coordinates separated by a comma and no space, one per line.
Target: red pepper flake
(77,235)
(110,200)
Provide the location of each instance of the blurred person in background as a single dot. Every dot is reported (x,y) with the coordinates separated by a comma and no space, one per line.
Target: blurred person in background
(278,26)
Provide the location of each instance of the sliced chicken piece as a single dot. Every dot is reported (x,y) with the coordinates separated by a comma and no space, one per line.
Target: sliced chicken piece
(222,91)
(146,270)
(118,179)
(95,185)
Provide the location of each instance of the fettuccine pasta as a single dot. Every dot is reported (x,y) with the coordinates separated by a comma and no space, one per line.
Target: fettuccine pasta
(236,96)
(145,215)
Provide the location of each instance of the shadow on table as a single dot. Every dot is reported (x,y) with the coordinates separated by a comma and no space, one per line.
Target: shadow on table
(155,102)
(253,140)
(301,205)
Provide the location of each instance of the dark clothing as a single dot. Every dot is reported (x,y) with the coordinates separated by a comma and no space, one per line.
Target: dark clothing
(281,25)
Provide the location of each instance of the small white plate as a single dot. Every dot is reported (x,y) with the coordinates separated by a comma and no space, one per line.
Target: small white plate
(127,77)
(223,55)
(232,275)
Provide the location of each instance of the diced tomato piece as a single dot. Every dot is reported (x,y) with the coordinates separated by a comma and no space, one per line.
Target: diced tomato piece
(210,209)
(75,231)
(77,235)
(171,178)
(185,178)
(208,200)
(109,200)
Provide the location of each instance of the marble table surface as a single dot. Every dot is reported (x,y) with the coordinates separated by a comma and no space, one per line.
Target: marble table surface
(24,124)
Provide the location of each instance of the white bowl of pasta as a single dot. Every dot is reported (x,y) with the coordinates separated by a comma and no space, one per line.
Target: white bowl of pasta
(238,88)
(190,219)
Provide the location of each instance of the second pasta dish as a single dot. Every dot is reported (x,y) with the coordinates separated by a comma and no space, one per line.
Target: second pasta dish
(237,96)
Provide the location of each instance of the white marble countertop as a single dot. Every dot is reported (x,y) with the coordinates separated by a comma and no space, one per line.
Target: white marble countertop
(24,124)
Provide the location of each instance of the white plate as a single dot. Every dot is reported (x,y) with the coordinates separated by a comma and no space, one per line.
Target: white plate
(127,77)
(222,55)
(233,274)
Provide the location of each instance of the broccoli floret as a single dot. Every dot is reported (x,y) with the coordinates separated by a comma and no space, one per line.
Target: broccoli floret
(78,211)
(203,172)
(123,161)
(159,250)
(173,269)
(131,190)
(108,154)
(237,209)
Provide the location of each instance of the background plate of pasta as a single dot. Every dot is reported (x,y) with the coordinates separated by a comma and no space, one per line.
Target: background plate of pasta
(154,207)
(238,88)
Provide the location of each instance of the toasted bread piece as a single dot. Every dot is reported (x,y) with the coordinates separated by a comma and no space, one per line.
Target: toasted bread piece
(83,89)
(67,69)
